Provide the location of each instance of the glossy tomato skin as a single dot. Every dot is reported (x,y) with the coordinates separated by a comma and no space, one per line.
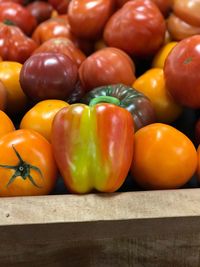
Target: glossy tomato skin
(60,5)
(40,10)
(34,150)
(52,28)
(98,69)
(41,115)
(48,76)
(135,102)
(14,44)
(181,71)
(179,29)
(164,158)
(135,25)
(188,10)
(62,45)
(87,18)
(152,84)
(18,15)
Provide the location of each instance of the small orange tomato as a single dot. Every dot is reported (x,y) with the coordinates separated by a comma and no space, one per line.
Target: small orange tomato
(198,165)
(164,158)
(6,124)
(9,75)
(152,84)
(27,165)
(40,117)
(161,55)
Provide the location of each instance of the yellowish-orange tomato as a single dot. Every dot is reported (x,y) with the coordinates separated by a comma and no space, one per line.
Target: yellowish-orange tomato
(161,55)
(40,117)
(9,75)
(3,96)
(164,157)
(6,124)
(152,84)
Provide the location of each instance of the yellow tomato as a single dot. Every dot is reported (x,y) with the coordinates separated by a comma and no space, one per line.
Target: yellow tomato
(152,84)
(40,117)
(9,75)
(161,55)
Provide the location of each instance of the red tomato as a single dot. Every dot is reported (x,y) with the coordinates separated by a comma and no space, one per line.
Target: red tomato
(107,66)
(87,18)
(64,46)
(18,15)
(137,28)
(27,165)
(52,28)
(181,72)
(60,5)
(40,10)
(179,29)
(164,158)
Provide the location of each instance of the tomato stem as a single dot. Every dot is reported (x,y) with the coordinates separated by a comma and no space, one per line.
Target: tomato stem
(22,169)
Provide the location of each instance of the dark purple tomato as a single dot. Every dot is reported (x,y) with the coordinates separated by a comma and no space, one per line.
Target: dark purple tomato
(48,76)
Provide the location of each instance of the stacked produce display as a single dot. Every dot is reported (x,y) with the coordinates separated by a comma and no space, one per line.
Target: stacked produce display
(99,96)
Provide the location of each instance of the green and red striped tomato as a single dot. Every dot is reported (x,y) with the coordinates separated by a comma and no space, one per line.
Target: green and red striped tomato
(93,146)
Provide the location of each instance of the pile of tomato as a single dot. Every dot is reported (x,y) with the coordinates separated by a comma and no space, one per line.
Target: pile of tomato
(97,93)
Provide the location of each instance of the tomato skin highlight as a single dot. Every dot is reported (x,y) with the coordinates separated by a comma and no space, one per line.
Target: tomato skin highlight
(93,146)
(164,158)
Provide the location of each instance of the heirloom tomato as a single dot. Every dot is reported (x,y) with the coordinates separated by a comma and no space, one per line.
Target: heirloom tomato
(163,158)
(18,15)
(107,66)
(64,46)
(6,124)
(179,29)
(152,84)
(27,165)
(87,18)
(161,55)
(9,75)
(40,10)
(181,71)
(52,28)
(188,10)
(137,28)
(48,75)
(14,44)
(40,116)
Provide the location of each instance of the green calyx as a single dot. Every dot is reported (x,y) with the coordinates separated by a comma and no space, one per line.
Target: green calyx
(104,99)
(22,169)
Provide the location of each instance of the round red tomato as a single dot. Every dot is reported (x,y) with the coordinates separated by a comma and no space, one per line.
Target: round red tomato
(107,66)
(87,18)
(40,10)
(137,28)
(181,72)
(27,165)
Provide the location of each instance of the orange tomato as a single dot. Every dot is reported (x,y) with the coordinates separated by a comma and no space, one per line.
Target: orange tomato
(198,165)
(3,96)
(27,165)
(164,158)
(9,75)
(152,84)
(6,124)
(161,55)
(40,117)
